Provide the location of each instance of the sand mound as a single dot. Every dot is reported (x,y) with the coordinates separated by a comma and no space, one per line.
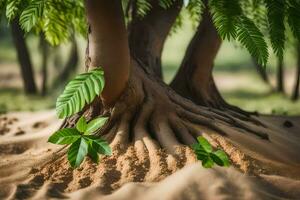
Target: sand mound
(31,168)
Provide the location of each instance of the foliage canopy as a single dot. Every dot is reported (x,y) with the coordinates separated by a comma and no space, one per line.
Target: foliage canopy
(250,22)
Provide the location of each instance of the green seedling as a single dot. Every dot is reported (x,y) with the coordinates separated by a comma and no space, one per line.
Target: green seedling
(208,156)
(82,141)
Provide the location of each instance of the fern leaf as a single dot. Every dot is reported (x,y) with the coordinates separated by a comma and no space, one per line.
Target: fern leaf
(226,16)
(251,38)
(166,3)
(293,15)
(12,8)
(276,16)
(79,92)
(31,14)
(142,7)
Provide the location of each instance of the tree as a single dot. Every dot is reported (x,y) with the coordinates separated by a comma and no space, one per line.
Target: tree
(295,94)
(139,104)
(24,59)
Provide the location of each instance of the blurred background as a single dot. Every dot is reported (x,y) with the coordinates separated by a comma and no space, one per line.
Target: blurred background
(240,80)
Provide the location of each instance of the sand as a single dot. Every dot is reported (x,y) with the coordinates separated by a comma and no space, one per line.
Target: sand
(31,168)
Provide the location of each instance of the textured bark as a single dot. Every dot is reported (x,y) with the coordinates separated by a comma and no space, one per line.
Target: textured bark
(148,112)
(280,76)
(23,59)
(108,46)
(147,35)
(194,79)
(295,94)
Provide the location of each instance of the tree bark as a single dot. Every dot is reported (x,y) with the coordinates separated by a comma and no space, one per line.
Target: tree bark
(147,36)
(280,76)
(23,59)
(194,79)
(145,111)
(295,95)
(45,51)
(108,46)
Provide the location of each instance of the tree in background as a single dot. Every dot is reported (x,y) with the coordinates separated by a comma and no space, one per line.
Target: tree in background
(24,59)
(139,104)
(295,93)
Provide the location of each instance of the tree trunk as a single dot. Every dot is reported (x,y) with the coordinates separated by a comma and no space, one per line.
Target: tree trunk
(295,95)
(70,66)
(144,110)
(45,51)
(108,46)
(280,76)
(23,59)
(148,35)
(194,79)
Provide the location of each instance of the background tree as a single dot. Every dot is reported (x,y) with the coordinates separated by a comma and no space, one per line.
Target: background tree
(24,59)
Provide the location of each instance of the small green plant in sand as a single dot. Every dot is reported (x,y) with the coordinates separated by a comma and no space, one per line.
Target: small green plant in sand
(208,156)
(78,93)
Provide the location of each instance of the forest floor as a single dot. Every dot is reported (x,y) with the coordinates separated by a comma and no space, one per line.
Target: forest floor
(28,171)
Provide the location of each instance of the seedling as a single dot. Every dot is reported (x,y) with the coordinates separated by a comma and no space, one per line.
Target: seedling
(82,141)
(205,153)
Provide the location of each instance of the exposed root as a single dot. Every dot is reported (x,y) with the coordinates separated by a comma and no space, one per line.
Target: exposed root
(152,115)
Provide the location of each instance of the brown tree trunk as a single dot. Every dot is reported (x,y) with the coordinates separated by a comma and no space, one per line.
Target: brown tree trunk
(23,59)
(295,95)
(280,76)
(45,51)
(194,79)
(108,46)
(147,35)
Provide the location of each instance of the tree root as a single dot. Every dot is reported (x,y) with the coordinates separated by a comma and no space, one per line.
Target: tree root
(153,116)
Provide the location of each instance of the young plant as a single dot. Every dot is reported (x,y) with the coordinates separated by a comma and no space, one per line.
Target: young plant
(82,141)
(78,93)
(205,153)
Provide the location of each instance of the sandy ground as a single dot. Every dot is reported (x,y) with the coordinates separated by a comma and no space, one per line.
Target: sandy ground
(31,168)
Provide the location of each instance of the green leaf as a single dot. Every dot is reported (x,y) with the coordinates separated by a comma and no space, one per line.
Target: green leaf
(13,8)
(65,136)
(77,152)
(93,154)
(220,155)
(100,145)
(293,16)
(199,151)
(276,18)
(79,92)
(205,144)
(207,162)
(31,14)
(251,37)
(81,125)
(95,124)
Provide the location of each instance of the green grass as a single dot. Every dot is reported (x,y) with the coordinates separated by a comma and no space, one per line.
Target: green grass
(16,100)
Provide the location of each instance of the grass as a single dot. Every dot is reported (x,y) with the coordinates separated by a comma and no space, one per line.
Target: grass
(15,100)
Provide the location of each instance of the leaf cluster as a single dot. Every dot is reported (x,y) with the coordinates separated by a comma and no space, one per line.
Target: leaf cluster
(82,141)
(57,20)
(205,153)
(80,91)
